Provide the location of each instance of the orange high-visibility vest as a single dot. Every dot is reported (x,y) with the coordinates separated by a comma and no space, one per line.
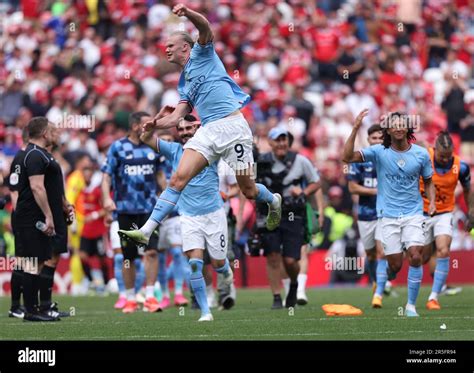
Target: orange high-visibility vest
(444,185)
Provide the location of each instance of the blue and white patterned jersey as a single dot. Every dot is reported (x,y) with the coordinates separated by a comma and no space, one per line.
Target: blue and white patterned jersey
(132,169)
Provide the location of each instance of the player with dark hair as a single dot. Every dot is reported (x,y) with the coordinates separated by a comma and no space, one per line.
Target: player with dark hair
(399,166)
(449,169)
(129,172)
(203,218)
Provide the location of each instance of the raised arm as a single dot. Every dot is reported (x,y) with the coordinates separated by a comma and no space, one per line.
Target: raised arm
(169,121)
(349,156)
(198,20)
(149,136)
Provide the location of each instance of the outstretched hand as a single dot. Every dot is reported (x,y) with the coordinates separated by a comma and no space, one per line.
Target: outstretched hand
(180,10)
(360,118)
(151,124)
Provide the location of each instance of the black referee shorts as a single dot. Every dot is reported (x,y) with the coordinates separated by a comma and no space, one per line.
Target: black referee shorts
(287,239)
(31,243)
(126,221)
(59,242)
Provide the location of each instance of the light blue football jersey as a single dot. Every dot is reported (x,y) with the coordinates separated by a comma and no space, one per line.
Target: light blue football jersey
(398,179)
(205,85)
(201,195)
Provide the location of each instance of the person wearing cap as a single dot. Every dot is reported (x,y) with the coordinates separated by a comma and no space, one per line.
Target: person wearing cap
(296,179)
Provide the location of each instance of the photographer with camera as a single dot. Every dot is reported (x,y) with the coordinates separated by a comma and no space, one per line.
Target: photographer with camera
(295,178)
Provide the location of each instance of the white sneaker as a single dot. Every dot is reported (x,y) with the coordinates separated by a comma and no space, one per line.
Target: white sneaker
(207,317)
(301,298)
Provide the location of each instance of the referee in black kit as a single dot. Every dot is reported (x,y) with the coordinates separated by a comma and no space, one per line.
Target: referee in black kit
(41,199)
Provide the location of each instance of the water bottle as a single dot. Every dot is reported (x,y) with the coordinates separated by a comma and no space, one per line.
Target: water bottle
(40,226)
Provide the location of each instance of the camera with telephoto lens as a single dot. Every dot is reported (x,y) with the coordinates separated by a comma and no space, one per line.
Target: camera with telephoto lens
(295,205)
(254,242)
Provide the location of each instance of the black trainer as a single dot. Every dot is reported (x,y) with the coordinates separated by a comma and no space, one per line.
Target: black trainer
(291,297)
(39,316)
(53,311)
(18,312)
(277,303)
(227,303)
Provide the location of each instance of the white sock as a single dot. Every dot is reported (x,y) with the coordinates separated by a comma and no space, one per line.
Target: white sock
(149,291)
(157,286)
(410,307)
(122,294)
(130,293)
(149,227)
(433,295)
(286,285)
(178,291)
(166,294)
(302,277)
(275,202)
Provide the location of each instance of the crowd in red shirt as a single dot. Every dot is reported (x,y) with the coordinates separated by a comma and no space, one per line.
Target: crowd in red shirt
(320,61)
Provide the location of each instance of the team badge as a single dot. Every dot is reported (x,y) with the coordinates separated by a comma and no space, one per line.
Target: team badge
(401,163)
(14,179)
(151,156)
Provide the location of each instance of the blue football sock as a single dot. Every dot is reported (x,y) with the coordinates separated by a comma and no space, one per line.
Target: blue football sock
(178,270)
(199,285)
(162,272)
(139,274)
(225,268)
(165,204)
(118,262)
(264,195)
(372,270)
(381,276)
(440,275)
(415,274)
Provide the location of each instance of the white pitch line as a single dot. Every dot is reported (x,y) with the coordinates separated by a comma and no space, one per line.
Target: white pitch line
(256,336)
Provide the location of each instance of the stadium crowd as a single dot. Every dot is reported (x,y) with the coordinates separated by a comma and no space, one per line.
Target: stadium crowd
(310,67)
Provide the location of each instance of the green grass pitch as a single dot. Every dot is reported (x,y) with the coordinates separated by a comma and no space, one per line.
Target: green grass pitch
(252,319)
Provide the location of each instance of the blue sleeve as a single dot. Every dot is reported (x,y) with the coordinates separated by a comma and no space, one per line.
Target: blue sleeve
(111,161)
(202,51)
(183,97)
(168,149)
(426,167)
(369,154)
(465,175)
(354,173)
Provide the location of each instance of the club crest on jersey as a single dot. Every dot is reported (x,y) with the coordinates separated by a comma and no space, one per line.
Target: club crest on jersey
(151,156)
(401,163)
